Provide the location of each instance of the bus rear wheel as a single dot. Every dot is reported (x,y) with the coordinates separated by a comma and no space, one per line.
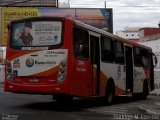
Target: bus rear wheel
(110,93)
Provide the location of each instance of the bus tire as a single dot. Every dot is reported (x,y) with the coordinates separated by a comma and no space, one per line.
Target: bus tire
(145,90)
(110,92)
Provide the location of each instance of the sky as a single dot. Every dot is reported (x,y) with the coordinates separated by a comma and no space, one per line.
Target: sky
(131,13)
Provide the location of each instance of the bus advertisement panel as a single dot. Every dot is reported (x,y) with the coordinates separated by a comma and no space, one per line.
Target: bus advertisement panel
(39,33)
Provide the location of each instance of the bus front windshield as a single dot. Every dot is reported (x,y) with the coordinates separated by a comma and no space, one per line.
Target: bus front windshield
(29,34)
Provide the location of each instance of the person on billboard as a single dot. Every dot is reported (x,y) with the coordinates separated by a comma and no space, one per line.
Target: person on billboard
(25,37)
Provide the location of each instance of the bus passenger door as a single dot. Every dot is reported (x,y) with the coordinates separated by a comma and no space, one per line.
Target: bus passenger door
(129,69)
(95,64)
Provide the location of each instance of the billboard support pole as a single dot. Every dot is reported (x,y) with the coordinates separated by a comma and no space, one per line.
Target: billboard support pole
(57,4)
(69,3)
(105,4)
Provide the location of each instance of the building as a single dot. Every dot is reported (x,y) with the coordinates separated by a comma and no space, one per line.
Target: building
(130,33)
(64,5)
(43,3)
(139,34)
(147,34)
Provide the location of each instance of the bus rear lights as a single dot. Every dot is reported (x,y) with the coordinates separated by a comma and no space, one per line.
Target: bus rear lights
(63,64)
(8,64)
(61,77)
(9,77)
(62,71)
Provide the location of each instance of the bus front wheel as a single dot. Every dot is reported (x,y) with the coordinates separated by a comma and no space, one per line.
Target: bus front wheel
(110,93)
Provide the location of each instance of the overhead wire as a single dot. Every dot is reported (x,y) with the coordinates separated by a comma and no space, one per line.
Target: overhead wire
(89,4)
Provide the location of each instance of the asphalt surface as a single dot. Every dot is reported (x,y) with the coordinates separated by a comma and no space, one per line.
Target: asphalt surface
(42,107)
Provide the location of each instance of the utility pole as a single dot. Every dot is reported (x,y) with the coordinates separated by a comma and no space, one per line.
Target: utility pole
(69,3)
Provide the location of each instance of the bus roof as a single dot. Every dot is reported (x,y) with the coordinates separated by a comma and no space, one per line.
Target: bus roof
(91,28)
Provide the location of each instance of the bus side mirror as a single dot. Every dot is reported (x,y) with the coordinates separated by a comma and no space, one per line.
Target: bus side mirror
(154,60)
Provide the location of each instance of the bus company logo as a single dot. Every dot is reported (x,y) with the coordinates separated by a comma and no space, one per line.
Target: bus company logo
(29,62)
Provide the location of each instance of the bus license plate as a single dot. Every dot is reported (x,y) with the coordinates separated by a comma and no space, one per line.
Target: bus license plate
(34,80)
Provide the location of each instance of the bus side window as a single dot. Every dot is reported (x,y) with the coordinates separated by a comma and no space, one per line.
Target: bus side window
(119,53)
(137,57)
(80,43)
(107,49)
(145,58)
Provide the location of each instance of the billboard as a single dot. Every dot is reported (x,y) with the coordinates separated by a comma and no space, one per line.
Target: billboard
(20,3)
(100,18)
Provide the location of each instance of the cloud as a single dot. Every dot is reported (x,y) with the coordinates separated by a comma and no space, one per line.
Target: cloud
(137,2)
(116,2)
(135,20)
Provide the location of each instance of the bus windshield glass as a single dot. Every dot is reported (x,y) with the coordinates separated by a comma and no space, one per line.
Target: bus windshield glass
(36,34)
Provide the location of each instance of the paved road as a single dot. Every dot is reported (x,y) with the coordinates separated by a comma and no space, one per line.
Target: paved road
(40,107)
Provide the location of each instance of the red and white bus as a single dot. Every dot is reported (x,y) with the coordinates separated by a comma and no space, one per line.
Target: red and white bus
(66,58)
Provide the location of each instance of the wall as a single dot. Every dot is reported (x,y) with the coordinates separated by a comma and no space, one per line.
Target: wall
(128,35)
(149,31)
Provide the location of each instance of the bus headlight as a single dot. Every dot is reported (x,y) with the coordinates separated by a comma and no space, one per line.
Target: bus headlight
(62,71)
